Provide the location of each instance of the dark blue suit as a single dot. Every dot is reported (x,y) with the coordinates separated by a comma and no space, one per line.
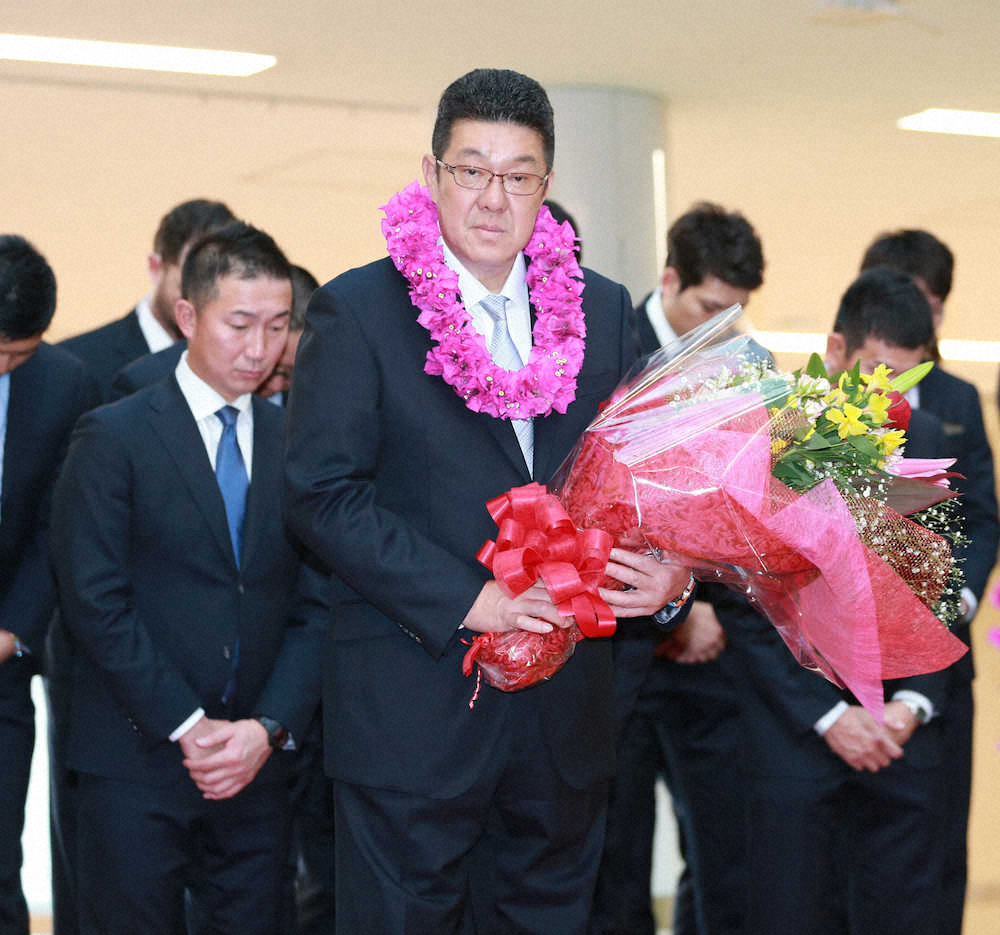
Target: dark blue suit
(956,403)
(388,473)
(105,350)
(680,721)
(146,370)
(831,850)
(152,595)
(47,394)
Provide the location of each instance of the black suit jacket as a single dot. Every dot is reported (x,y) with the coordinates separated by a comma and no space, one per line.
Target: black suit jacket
(105,350)
(956,403)
(782,701)
(388,473)
(48,392)
(147,370)
(152,595)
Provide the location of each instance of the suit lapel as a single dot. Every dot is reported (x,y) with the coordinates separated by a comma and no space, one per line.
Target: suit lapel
(266,479)
(172,421)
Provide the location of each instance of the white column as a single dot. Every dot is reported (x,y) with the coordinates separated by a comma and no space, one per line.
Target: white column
(606,145)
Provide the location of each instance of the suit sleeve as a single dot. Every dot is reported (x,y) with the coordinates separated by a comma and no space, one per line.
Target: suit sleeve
(92,521)
(292,692)
(332,459)
(982,525)
(31,600)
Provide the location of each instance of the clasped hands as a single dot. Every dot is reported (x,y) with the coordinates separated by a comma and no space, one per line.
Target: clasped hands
(223,757)
(652,583)
(864,744)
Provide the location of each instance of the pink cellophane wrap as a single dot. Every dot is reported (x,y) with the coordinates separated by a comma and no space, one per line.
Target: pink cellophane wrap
(671,466)
(536,539)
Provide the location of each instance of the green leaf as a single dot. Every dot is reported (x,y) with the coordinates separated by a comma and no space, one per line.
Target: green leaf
(816,367)
(912,376)
(863,444)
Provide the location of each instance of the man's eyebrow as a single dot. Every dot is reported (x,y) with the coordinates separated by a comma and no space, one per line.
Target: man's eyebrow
(473,153)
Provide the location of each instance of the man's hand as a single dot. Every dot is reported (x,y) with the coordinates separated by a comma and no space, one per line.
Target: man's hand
(6,645)
(654,584)
(700,638)
(900,721)
(236,752)
(861,742)
(494,612)
(204,727)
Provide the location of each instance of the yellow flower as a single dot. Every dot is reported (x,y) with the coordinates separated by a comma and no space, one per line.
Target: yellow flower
(847,420)
(835,397)
(890,441)
(878,406)
(778,445)
(878,379)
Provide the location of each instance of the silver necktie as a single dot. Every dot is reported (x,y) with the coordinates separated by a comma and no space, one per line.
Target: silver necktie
(504,354)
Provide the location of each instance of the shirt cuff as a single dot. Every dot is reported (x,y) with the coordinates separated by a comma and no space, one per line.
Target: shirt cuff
(830,718)
(971,602)
(919,704)
(187,725)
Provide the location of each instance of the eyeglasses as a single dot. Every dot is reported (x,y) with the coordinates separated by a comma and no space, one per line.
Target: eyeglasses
(478,179)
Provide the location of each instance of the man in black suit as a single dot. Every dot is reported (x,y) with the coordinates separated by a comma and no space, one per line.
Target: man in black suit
(955,402)
(150,326)
(676,703)
(843,812)
(197,622)
(388,471)
(42,392)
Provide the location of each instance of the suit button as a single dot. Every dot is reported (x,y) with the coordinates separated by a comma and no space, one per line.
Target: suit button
(240,588)
(227,652)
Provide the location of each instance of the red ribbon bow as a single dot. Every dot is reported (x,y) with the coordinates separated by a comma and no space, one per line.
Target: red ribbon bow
(537,539)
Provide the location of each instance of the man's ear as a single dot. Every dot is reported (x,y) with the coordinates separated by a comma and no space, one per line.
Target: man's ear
(155,265)
(670,283)
(430,170)
(836,352)
(186,317)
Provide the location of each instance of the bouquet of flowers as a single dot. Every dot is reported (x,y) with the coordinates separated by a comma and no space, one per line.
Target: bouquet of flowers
(791,488)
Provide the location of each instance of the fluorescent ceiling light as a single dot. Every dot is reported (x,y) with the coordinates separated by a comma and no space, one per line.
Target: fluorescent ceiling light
(132,55)
(962,122)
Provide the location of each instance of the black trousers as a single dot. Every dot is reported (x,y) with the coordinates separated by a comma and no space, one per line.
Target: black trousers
(856,853)
(515,854)
(140,848)
(684,726)
(17,741)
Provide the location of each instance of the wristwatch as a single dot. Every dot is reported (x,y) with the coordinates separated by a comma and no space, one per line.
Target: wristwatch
(666,613)
(277,735)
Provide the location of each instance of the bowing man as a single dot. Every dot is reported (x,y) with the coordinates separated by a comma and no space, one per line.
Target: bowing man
(42,392)
(388,474)
(197,620)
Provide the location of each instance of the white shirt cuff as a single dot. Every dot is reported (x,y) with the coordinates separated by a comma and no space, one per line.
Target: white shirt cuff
(971,603)
(187,725)
(916,702)
(830,718)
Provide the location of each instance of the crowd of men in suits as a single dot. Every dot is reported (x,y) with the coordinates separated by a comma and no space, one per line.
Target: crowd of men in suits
(192,571)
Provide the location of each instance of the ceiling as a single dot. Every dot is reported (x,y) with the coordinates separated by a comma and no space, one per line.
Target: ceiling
(771,107)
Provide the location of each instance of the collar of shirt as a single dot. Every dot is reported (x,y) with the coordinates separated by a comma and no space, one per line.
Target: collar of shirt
(515,289)
(157,337)
(912,396)
(4,402)
(204,402)
(658,319)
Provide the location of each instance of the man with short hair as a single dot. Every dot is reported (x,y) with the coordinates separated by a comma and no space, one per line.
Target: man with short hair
(676,703)
(198,623)
(150,326)
(843,811)
(42,392)
(930,263)
(388,470)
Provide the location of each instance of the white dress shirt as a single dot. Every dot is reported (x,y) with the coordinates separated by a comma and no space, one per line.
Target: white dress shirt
(665,334)
(157,337)
(4,401)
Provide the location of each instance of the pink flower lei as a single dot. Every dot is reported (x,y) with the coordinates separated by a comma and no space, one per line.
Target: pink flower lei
(459,356)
